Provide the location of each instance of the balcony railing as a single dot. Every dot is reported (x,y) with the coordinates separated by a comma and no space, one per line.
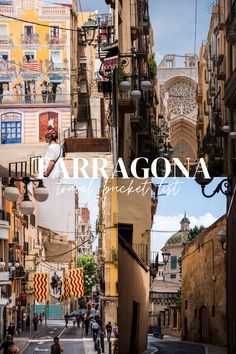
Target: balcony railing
(5,9)
(7,68)
(54,11)
(32,66)
(44,98)
(142,252)
(57,68)
(30,39)
(6,39)
(56,40)
(231,24)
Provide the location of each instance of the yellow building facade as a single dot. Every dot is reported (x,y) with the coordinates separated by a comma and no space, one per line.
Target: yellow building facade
(38,76)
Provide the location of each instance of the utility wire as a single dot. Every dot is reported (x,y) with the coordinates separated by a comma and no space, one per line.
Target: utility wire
(39,24)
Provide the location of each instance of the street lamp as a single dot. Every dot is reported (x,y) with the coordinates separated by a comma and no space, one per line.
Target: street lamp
(26,206)
(225,186)
(221,237)
(166,257)
(89,28)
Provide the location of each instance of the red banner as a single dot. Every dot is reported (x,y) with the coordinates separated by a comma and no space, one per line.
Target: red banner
(41,286)
(76,281)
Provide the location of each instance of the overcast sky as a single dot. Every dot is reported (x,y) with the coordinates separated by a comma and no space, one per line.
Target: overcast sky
(173,23)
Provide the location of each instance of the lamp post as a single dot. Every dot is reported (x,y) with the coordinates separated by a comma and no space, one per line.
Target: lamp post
(221,237)
(225,186)
(26,206)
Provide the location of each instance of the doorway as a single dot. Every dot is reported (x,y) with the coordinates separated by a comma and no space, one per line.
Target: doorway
(46,120)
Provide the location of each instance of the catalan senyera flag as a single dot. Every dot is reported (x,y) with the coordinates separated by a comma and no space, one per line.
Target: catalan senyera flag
(76,282)
(41,286)
(66,294)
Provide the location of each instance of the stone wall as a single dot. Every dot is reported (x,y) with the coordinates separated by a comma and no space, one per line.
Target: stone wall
(204,288)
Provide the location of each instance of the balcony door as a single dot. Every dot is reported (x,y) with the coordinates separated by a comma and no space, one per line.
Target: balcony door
(46,120)
(28,31)
(54,35)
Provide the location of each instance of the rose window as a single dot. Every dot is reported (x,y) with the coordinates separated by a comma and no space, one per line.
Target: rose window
(182,98)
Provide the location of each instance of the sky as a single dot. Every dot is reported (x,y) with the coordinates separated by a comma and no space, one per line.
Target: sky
(184,195)
(173,23)
(178,196)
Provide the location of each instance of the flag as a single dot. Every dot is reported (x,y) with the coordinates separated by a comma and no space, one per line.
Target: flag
(76,282)
(41,286)
(66,286)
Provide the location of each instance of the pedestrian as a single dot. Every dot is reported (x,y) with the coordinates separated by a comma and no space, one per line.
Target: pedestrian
(13,349)
(56,348)
(66,319)
(74,321)
(78,321)
(86,324)
(115,330)
(43,313)
(95,328)
(109,331)
(6,344)
(54,152)
(35,322)
(40,318)
(11,330)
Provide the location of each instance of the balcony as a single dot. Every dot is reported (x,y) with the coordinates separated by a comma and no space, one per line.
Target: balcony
(52,11)
(6,40)
(231,25)
(230,92)
(37,100)
(56,41)
(136,122)
(125,103)
(32,68)
(87,145)
(57,69)
(7,9)
(31,40)
(221,71)
(4,276)
(7,69)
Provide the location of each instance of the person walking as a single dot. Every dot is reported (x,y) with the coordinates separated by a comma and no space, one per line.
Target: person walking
(109,331)
(95,328)
(40,318)
(115,330)
(11,330)
(78,321)
(56,348)
(66,319)
(6,344)
(86,324)
(35,322)
(54,152)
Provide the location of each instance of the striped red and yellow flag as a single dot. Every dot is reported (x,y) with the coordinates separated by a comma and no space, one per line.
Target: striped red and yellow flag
(76,282)
(66,294)
(41,286)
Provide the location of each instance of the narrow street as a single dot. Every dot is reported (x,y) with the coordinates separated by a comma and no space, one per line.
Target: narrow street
(72,339)
(174,347)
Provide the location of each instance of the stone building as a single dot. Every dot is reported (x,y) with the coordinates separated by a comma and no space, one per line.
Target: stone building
(204,288)
(83,231)
(177,86)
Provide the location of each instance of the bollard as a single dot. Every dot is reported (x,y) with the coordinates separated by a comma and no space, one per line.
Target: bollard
(109,347)
(102,342)
(98,346)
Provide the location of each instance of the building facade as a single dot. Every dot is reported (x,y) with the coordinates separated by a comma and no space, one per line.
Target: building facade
(204,288)
(83,231)
(177,86)
(38,72)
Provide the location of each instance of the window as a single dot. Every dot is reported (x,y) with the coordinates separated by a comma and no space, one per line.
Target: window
(28,30)
(4,56)
(169,63)
(54,32)
(83,66)
(3,30)
(29,57)
(172,276)
(173,262)
(56,57)
(32,219)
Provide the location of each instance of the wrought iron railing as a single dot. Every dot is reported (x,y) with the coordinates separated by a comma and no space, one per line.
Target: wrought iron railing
(32,98)
(29,39)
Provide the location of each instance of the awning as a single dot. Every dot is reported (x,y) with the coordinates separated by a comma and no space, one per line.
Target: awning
(110,63)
